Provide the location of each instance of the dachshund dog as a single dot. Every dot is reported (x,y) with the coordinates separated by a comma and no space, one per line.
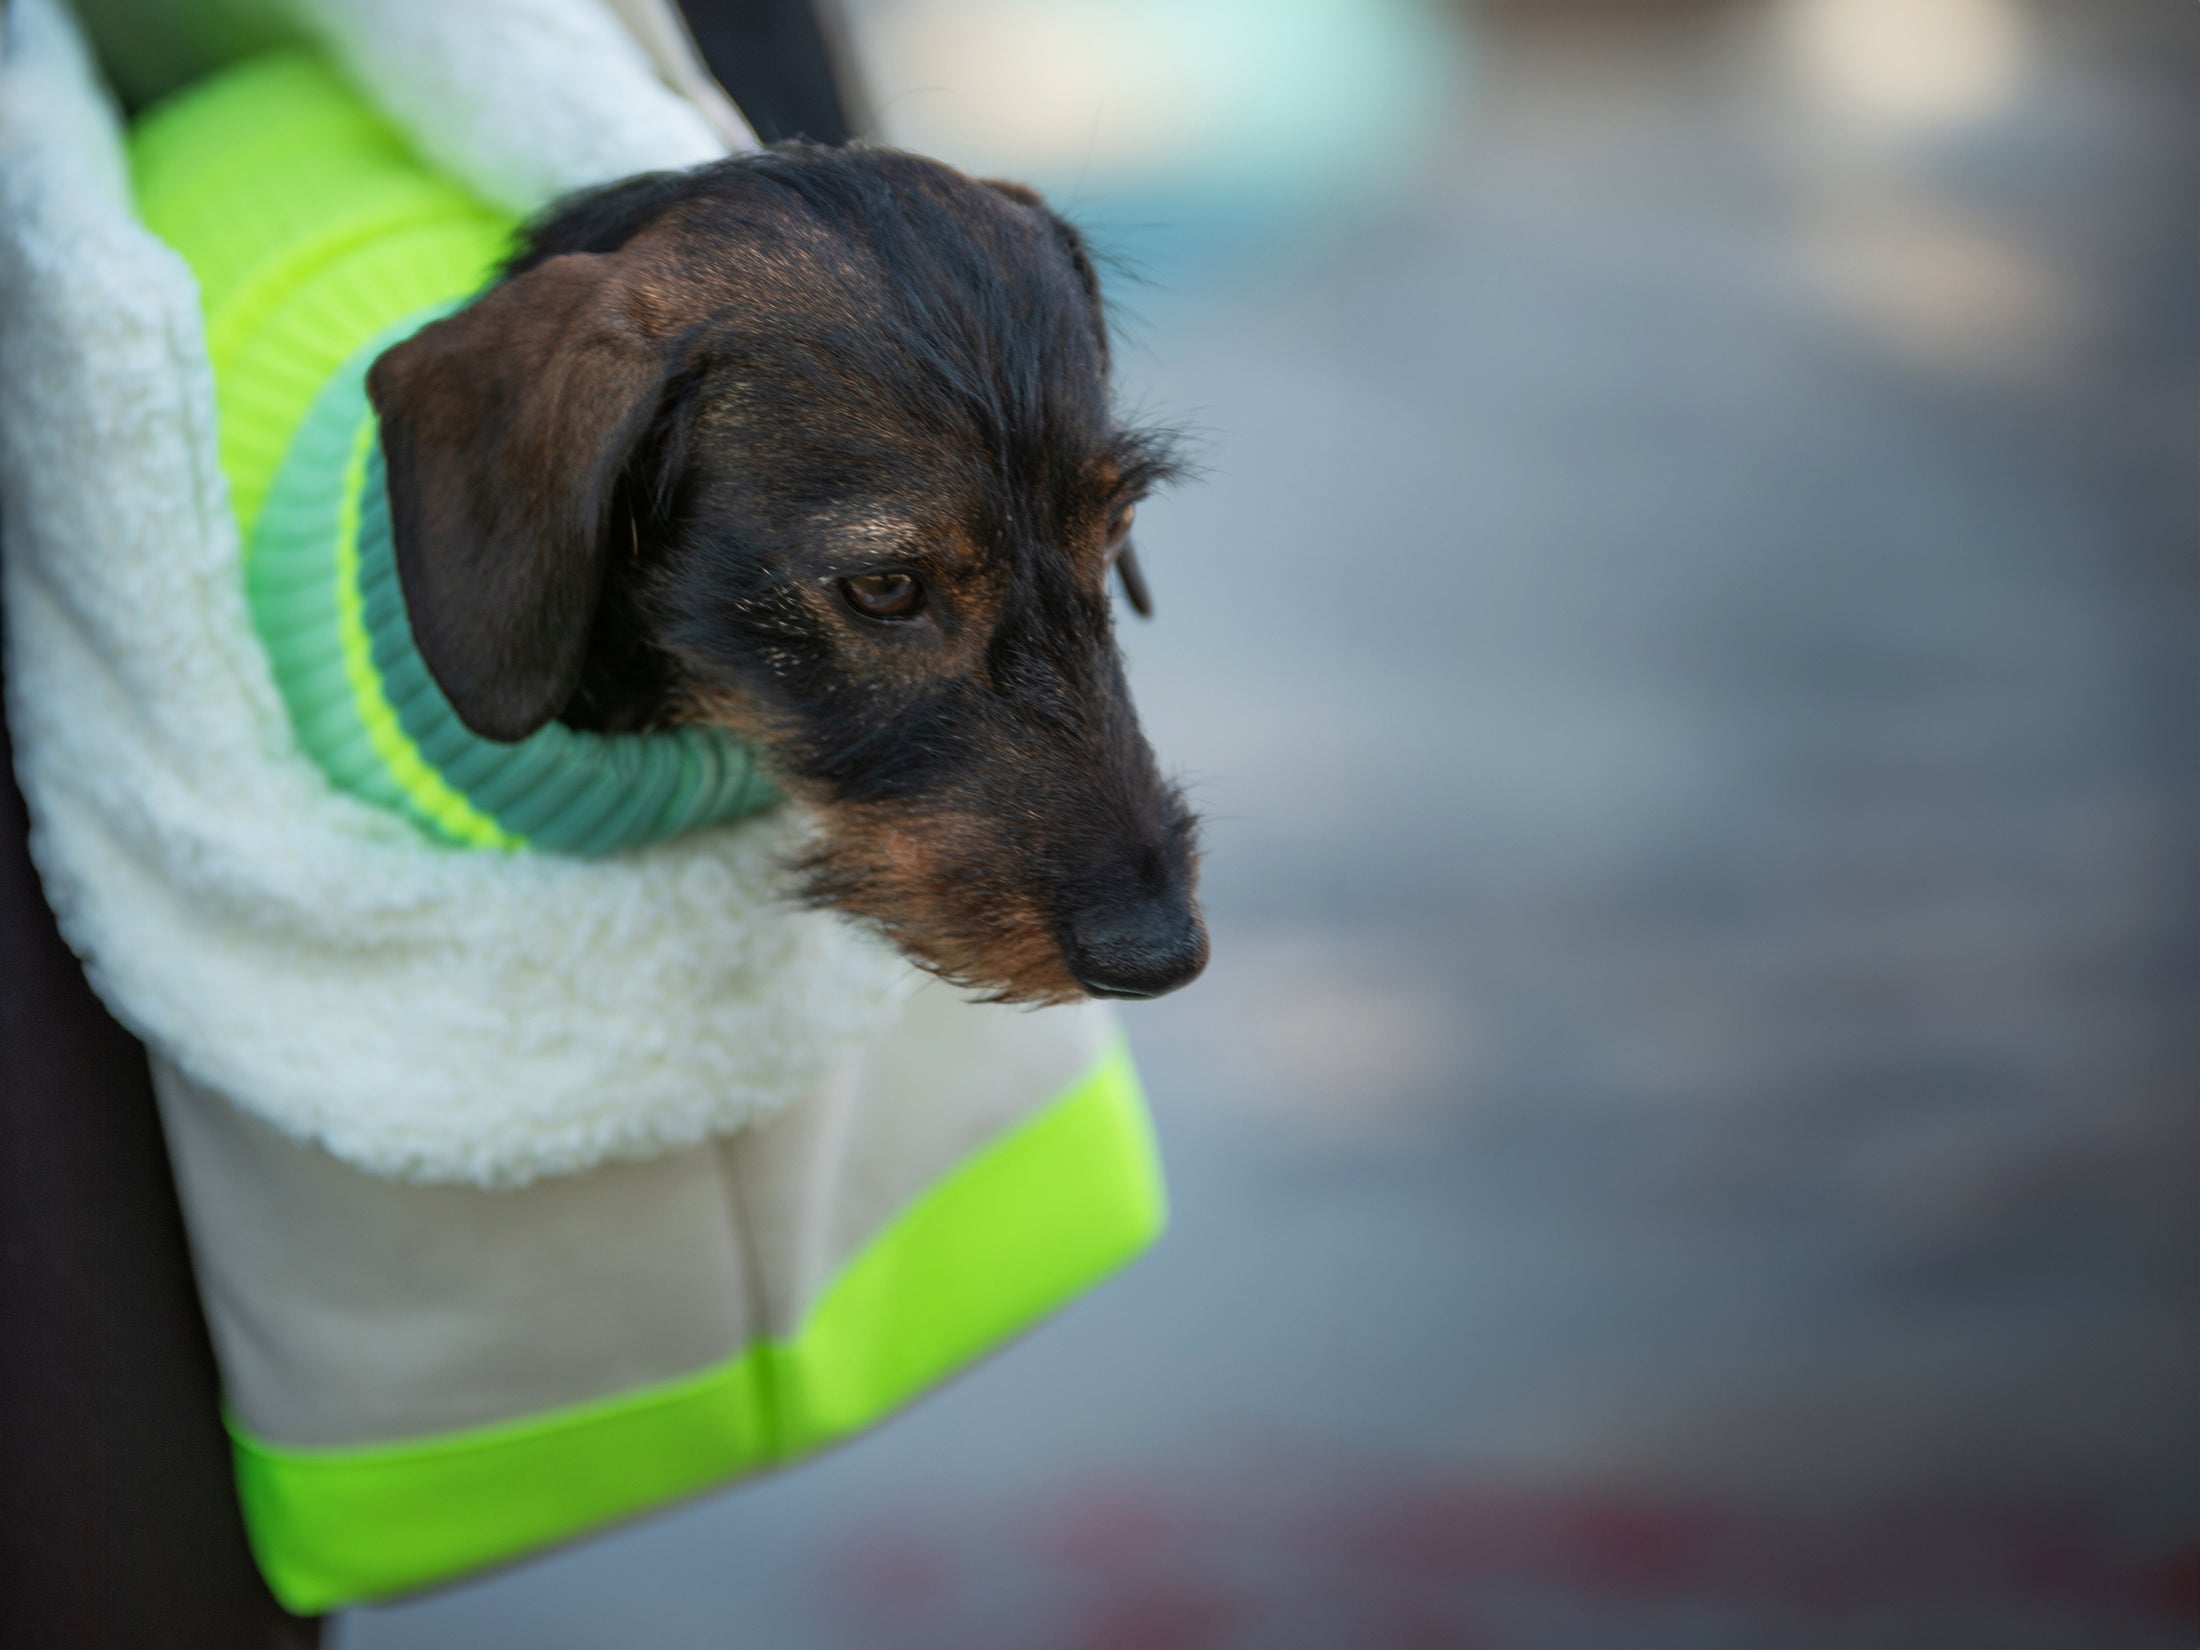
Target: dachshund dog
(816,444)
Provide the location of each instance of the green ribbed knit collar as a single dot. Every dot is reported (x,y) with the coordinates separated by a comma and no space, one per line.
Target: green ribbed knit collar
(321,575)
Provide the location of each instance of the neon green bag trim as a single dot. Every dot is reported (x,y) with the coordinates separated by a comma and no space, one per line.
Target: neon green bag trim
(1056,1204)
(319,241)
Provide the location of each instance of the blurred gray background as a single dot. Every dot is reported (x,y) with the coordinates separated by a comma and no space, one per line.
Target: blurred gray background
(1688,645)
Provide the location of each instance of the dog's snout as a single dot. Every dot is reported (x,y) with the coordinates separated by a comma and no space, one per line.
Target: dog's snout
(1140,950)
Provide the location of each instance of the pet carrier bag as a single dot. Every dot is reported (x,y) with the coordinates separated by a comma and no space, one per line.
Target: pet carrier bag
(540,1166)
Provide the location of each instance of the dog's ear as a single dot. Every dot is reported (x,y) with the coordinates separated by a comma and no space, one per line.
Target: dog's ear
(505,428)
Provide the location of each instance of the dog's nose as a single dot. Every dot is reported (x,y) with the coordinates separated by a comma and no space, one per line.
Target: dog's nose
(1138,950)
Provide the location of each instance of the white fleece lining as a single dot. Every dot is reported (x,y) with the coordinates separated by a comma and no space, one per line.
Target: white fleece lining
(422,1012)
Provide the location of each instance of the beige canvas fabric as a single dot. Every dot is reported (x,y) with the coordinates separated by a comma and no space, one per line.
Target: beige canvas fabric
(348,1309)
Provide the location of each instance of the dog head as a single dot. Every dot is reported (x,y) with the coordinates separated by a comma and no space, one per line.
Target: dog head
(817,444)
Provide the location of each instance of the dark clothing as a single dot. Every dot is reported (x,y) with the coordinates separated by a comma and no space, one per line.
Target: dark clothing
(775,58)
(118,1522)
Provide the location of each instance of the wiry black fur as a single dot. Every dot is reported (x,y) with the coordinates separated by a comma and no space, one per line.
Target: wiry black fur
(870,363)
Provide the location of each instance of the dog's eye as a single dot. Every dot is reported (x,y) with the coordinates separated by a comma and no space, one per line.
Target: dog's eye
(884,595)
(1120,523)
